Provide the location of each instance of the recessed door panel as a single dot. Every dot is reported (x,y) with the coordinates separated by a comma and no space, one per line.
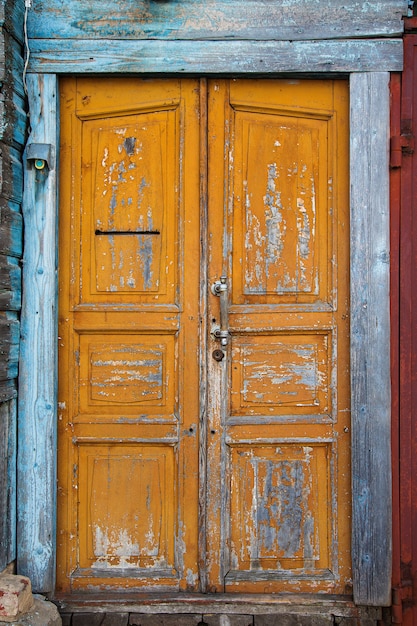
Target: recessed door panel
(127,523)
(279,497)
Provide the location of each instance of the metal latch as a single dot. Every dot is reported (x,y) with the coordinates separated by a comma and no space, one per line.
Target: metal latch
(219,288)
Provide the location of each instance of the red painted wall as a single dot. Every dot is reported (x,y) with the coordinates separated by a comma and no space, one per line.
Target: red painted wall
(404,330)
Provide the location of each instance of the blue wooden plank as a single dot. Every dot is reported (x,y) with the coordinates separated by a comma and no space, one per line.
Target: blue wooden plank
(11,17)
(38,352)
(13,67)
(17,112)
(216,19)
(212,57)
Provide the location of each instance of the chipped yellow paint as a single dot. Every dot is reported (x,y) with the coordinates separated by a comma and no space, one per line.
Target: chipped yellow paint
(129,323)
(178,471)
(278,505)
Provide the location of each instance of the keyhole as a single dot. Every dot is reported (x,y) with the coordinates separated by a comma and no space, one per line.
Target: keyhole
(218,355)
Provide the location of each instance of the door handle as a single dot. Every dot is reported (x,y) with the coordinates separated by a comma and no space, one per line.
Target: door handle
(219,288)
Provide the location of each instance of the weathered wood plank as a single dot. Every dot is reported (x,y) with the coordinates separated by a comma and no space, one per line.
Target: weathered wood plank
(276,605)
(290,20)
(7,482)
(9,347)
(4,435)
(13,120)
(10,284)
(12,117)
(38,352)
(11,17)
(2,55)
(12,65)
(211,57)
(11,172)
(11,228)
(8,390)
(11,478)
(370,347)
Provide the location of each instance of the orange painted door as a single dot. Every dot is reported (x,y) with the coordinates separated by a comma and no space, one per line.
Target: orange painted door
(278,404)
(187,462)
(129,335)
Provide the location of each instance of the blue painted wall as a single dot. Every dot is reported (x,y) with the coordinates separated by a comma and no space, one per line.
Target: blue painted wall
(12,138)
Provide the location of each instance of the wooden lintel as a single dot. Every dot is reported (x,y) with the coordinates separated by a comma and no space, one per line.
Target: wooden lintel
(214,57)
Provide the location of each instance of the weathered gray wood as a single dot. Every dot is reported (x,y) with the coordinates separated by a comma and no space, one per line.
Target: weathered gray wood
(9,346)
(13,120)
(298,605)
(370,339)
(12,173)
(12,117)
(10,284)
(4,435)
(7,482)
(8,390)
(38,360)
(11,481)
(211,57)
(216,19)
(10,229)
(11,65)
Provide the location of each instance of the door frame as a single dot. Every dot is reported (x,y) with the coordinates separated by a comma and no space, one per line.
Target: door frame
(370,335)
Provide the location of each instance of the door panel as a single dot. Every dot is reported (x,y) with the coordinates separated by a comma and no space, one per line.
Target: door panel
(178,470)
(129,328)
(278,442)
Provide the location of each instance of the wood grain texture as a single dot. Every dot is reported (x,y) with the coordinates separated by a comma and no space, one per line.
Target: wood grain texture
(7,482)
(370,347)
(10,228)
(11,18)
(10,284)
(275,605)
(11,479)
(216,19)
(37,401)
(9,347)
(211,57)
(407,393)
(4,427)
(12,172)
(11,65)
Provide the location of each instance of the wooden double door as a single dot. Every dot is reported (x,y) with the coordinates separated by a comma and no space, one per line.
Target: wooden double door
(204,347)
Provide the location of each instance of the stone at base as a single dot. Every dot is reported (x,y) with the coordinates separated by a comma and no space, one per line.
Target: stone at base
(42,613)
(15,596)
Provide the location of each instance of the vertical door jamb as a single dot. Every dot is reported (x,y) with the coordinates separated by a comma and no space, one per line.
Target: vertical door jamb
(37,405)
(370,338)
